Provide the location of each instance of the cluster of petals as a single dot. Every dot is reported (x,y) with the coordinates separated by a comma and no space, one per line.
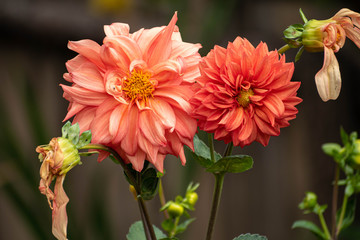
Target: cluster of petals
(345,23)
(133,91)
(52,163)
(244,94)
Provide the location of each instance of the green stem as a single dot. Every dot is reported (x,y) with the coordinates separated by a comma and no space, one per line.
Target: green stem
(162,199)
(283,49)
(211,145)
(342,214)
(148,227)
(173,231)
(219,181)
(334,202)
(324,226)
(229,149)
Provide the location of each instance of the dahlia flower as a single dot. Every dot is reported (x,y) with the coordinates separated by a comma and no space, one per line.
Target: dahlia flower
(329,36)
(58,157)
(244,94)
(132,92)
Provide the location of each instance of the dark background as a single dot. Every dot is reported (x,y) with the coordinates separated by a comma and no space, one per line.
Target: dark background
(33,52)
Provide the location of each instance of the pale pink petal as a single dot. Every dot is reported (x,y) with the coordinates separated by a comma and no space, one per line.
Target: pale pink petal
(129,144)
(125,46)
(116,29)
(165,112)
(89,49)
(85,118)
(160,48)
(59,216)
(150,125)
(84,96)
(89,77)
(328,79)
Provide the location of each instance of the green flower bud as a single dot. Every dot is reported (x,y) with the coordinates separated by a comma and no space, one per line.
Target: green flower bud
(175,210)
(355,156)
(191,198)
(70,155)
(309,202)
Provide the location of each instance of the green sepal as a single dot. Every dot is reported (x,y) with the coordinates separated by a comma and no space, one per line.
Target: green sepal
(302,15)
(349,214)
(312,227)
(293,31)
(65,129)
(249,236)
(149,184)
(232,164)
(71,132)
(136,232)
(299,53)
(84,139)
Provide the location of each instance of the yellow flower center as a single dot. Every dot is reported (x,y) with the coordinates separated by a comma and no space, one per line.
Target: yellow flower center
(243,97)
(138,86)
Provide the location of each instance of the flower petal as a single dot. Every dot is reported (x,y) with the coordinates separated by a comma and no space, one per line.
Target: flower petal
(328,79)
(59,216)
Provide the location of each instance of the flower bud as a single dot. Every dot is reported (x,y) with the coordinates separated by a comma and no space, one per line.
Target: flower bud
(312,36)
(309,202)
(175,210)
(355,156)
(191,198)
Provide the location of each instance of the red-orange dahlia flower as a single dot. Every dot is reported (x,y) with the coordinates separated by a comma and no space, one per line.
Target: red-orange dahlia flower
(244,94)
(133,91)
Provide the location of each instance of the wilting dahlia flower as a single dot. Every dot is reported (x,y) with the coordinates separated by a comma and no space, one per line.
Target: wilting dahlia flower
(244,93)
(57,157)
(329,36)
(132,92)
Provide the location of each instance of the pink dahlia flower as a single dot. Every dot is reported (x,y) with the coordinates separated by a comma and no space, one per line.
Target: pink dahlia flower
(132,92)
(244,93)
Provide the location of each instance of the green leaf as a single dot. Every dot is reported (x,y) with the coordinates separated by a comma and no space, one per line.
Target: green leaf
(168,224)
(149,184)
(183,226)
(85,138)
(309,226)
(249,236)
(202,153)
(349,214)
(232,164)
(136,232)
(344,136)
(331,149)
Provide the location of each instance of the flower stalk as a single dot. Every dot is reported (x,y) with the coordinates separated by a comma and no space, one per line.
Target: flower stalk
(148,228)
(334,203)
(219,182)
(342,214)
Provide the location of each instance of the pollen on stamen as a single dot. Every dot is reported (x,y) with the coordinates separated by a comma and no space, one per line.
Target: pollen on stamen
(243,97)
(138,86)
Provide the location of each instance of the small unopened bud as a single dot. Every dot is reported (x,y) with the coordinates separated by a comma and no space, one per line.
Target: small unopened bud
(175,210)
(309,202)
(191,198)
